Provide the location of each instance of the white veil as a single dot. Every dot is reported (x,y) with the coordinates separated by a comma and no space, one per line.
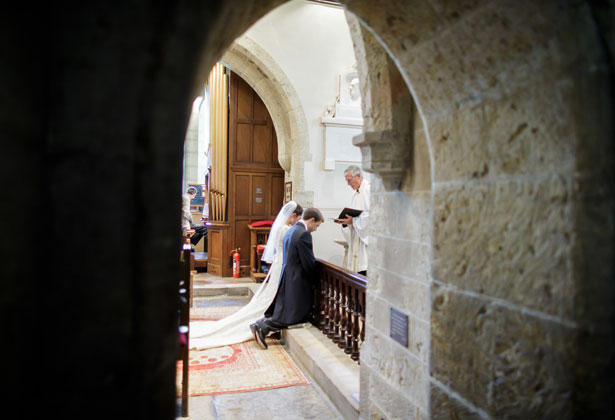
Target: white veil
(280,220)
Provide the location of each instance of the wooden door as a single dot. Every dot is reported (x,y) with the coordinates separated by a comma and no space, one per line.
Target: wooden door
(256,179)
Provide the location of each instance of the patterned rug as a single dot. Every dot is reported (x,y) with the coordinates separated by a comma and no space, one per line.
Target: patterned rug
(239,367)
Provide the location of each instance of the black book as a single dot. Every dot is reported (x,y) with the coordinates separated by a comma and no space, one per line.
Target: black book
(349,212)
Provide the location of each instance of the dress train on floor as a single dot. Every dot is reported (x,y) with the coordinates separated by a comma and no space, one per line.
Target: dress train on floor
(235,328)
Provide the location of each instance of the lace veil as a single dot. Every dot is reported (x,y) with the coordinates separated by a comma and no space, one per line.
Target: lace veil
(280,220)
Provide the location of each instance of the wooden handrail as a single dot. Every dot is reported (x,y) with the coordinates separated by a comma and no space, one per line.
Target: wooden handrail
(339,306)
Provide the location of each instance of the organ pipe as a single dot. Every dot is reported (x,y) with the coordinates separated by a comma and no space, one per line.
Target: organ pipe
(218,87)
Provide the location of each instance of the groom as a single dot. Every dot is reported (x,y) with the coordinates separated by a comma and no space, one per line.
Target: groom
(293,301)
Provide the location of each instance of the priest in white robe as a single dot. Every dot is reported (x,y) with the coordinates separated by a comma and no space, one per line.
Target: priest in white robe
(356,229)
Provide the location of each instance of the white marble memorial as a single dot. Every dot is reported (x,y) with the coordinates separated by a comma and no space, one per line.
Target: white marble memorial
(343,121)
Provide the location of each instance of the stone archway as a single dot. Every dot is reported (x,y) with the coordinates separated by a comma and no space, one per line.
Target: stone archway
(516,109)
(257,67)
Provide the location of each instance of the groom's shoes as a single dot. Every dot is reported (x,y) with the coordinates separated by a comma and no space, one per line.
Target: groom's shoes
(259,336)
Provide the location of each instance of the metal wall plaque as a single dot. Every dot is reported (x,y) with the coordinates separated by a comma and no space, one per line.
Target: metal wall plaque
(259,199)
(399,327)
(258,191)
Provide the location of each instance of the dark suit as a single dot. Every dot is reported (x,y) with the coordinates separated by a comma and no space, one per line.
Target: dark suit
(293,301)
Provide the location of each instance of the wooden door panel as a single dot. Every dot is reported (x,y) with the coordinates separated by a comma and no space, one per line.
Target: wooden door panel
(260,110)
(245,97)
(261,143)
(215,251)
(260,190)
(242,194)
(243,143)
(242,240)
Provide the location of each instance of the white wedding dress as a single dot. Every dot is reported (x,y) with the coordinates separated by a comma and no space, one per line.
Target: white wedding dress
(235,328)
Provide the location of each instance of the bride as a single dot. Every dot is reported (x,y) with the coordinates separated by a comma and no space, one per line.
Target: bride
(235,328)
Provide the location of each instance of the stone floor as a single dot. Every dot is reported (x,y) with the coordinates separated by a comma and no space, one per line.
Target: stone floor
(294,402)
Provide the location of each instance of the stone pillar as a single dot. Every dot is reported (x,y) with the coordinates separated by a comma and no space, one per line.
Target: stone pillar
(394,378)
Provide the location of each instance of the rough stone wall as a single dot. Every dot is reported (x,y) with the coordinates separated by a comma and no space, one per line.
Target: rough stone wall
(511,100)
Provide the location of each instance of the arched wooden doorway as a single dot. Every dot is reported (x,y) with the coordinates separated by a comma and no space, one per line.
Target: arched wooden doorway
(255,178)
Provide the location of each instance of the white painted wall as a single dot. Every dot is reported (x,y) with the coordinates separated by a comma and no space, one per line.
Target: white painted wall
(194,171)
(311,43)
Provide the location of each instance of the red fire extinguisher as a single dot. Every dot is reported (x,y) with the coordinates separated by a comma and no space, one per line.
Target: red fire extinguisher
(235,256)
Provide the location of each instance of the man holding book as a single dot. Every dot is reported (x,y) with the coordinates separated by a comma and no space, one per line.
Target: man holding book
(355,229)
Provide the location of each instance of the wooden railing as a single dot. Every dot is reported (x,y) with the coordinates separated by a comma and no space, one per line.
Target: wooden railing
(339,307)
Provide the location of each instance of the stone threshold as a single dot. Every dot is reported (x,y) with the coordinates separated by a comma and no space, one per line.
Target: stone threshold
(332,369)
(238,289)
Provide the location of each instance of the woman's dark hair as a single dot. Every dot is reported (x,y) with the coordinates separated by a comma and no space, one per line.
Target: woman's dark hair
(298,210)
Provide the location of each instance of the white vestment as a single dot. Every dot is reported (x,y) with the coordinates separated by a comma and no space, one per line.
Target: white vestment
(357,234)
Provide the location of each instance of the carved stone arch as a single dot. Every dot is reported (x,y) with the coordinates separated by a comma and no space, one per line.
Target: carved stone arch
(388,144)
(253,64)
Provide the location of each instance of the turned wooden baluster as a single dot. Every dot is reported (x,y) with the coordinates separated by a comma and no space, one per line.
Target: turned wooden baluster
(350,326)
(327,302)
(338,311)
(333,310)
(330,297)
(356,328)
(328,307)
(343,315)
(336,318)
(322,302)
(362,318)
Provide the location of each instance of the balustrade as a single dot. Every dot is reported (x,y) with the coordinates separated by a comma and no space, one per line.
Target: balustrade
(339,307)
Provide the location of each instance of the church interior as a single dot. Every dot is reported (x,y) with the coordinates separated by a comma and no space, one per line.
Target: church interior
(484,129)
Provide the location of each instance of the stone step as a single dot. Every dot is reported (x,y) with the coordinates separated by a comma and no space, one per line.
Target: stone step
(239,289)
(332,369)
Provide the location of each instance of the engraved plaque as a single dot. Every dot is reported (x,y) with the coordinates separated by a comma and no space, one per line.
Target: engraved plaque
(259,199)
(399,327)
(259,191)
